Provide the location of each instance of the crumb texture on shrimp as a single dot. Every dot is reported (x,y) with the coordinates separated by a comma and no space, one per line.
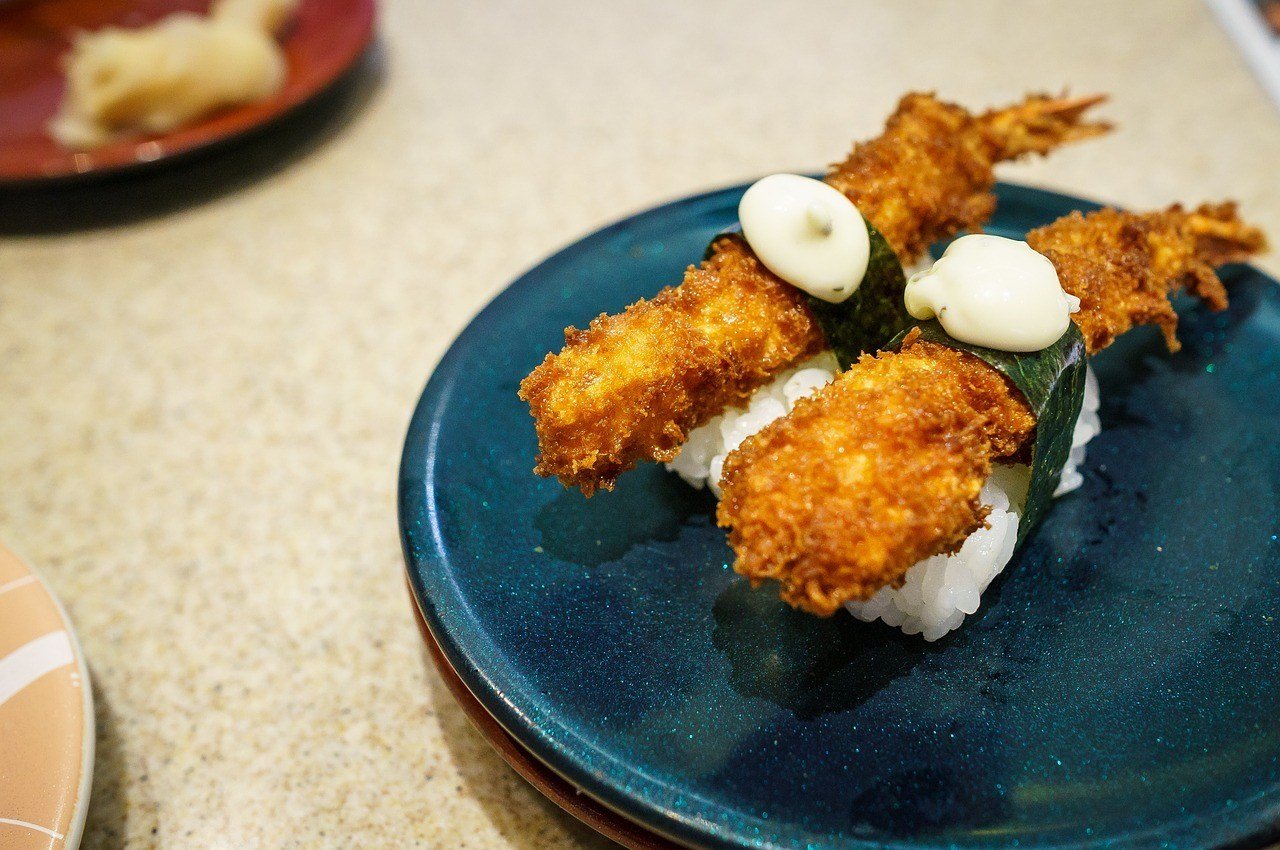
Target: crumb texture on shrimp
(929,175)
(1123,265)
(631,386)
(882,467)
(876,471)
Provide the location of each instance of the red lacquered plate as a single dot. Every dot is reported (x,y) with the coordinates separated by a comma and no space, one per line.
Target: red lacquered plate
(324,39)
(586,809)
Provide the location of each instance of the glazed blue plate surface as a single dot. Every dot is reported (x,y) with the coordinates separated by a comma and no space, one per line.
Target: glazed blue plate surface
(1120,686)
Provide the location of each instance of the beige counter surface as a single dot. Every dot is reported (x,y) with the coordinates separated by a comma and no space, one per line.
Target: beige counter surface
(205,376)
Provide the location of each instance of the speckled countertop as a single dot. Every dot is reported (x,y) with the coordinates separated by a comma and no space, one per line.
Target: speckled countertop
(205,376)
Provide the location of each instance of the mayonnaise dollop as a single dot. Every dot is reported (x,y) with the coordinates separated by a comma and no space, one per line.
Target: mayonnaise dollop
(994,292)
(806,233)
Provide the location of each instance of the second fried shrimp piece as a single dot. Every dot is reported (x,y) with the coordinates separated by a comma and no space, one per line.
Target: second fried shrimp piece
(929,175)
(632,386)
(882,467)
(636,383)
(1122,266)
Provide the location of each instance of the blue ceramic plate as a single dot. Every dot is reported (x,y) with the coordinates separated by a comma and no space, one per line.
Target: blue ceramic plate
(1121,685)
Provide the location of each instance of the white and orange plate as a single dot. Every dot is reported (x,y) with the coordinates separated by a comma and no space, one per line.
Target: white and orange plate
(46,716)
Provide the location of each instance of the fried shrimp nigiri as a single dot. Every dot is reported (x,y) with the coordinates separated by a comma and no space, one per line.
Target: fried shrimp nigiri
(631,386)
(883,467)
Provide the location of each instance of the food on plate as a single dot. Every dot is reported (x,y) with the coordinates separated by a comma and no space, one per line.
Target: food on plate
(269,16)
(901,488)
(881,443)
(157,78)
(631,387)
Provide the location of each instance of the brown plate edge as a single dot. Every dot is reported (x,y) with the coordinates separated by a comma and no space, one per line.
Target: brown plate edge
(582,806)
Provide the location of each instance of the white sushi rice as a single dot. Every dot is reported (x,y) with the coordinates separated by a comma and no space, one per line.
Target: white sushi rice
(940,591)
(702,456)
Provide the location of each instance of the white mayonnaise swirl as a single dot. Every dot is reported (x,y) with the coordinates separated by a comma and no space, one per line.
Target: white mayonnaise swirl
(806,233)
(994,292)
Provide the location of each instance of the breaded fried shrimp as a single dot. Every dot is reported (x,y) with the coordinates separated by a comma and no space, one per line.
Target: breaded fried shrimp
(1122,266)
(929,175)
(880,469)
(631,386)
(634,384)
(883,467)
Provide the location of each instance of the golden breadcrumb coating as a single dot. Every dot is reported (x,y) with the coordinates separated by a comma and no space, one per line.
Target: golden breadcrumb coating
(883,467)
(929,175)
(1122,266)
(632,386)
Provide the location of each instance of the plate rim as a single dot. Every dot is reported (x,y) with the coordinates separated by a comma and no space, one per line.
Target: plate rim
(639,807)
(553,786)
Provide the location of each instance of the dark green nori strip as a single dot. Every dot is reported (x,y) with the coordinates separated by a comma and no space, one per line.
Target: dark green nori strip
(872,315)
(1052,380)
